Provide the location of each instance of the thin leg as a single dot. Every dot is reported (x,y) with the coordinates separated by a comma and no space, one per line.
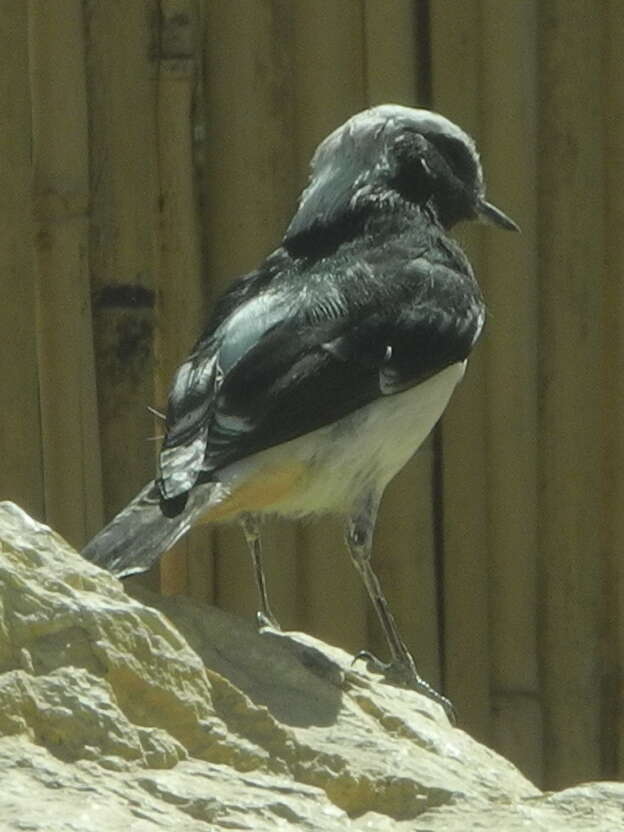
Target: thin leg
(359,537)
(251,530)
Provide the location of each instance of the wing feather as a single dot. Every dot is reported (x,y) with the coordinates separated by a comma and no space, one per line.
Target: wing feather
(287,362)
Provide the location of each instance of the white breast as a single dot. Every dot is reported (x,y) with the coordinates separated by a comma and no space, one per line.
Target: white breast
(361,451)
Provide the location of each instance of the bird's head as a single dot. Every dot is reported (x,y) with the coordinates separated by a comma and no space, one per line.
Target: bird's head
(392,151)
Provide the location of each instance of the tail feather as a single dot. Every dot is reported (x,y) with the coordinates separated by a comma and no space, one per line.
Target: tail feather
(134,540)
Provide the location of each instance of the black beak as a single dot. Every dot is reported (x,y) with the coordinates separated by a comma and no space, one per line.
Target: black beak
(494,216)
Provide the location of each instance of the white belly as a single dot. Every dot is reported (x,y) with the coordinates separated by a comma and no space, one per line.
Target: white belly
(362,451)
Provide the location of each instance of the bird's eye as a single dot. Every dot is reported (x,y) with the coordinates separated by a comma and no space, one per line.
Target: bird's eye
(458,157)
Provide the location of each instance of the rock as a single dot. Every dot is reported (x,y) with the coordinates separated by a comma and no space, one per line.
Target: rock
(164,713)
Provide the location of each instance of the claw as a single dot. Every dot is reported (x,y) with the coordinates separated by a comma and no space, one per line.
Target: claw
(406,676)
(373,662)
(263,621)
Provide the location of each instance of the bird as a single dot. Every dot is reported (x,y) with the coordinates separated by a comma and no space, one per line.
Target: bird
(322,371)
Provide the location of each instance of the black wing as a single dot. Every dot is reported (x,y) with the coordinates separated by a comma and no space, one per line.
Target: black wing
(289,360)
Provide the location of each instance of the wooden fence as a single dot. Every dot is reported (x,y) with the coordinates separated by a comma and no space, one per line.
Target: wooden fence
(150,151)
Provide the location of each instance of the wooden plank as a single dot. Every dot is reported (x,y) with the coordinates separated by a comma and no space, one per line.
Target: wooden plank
(248,195)
(390,52)
(456,54)
(329,55)
(509,279)
(71,453)
(20,429)
(123,244)
(572,238)
(181,309)
(613,720)
(404,539)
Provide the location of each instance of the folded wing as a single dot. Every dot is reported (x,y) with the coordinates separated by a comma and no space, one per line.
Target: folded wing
(285,363)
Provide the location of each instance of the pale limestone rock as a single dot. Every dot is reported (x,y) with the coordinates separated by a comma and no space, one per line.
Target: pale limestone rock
(120,714)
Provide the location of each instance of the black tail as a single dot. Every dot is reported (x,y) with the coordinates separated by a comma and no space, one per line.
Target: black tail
(141,533)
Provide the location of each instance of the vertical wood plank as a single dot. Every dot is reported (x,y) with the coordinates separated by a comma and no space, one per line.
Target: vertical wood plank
(181,307)
(456,54)
(330,85)
(20,433)
(404,537)
(571,257)
(390,52)
(123,246)
(249,192)
(509,280)
(613,102)
(71,454)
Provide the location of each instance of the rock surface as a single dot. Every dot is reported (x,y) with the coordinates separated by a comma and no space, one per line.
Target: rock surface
(163,713)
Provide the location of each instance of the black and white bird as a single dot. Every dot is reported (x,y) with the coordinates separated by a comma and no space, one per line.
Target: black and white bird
(322,371)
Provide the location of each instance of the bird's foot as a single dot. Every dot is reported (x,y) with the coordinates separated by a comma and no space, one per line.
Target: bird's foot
(266,620)
(405,675)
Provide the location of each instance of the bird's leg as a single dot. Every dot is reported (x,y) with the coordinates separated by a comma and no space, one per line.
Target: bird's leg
(251,529)
(359,537)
